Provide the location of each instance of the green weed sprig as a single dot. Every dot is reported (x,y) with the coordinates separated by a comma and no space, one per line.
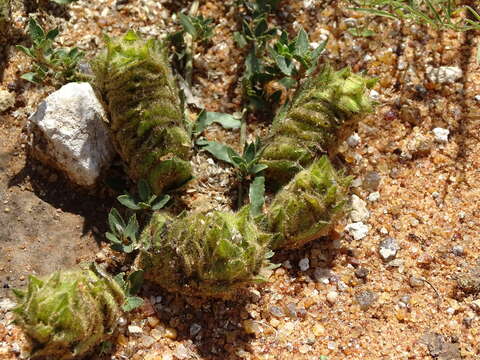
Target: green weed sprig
(56,63)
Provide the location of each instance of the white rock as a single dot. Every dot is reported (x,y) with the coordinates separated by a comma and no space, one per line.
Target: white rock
(444,74)
(7,100)
(359,209)
(332,297)
(441,134)
(304,264)
(357,229)
(353,140)
(374,196)
(388,249)
(374,95)
(134,329)
(6,304)
(477,97)
(69,133)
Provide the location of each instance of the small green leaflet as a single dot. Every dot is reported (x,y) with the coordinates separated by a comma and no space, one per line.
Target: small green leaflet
(207,118)
(257,196)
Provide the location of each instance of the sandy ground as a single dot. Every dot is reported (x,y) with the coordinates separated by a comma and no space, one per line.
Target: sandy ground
(429,197)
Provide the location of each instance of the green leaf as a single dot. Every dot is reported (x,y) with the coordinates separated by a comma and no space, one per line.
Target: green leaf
(116,221)
(256,194)
(128,201)
(135,281)
(112,238)
(161,203)
(188,25)
(31,76)
(258,168)
(281,61)
(219,151)
(302,44)
(361,32)
(35,31)
(25,50)
(132,228)
(207,118)
(240,39)
(52,34)
(144,190)
(131,303)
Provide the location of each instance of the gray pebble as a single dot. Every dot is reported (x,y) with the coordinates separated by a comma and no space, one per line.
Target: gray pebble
(458,250)
(371,181)
(388,249)
(366,299)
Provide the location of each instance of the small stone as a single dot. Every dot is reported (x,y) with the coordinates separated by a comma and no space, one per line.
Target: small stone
(366,298)
(276,311)
(359,209)
(304,264)
(153,321)
(362,273)
(7,210)
(371,181)
(170,333)
(357,182)
(458,250)
(7,100)
(477,97)
(374,196)
(147,341)
(252,327)
(318,330)
(353,140)
(410,114)
(415,281)
(157,334)
(322,275)
(405,300)
(133,329)
(303,349)
(181,352)
(388,249)
(357,229)
(383,231)
(441,134)
(292,310)
(444,74)
(195,329)
(332,297)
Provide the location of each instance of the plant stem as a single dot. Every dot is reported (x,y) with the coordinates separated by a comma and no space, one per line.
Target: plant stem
(190,46)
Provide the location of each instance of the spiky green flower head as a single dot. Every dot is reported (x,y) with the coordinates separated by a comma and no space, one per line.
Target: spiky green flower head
(69,313)
(308,206)
(138,87)
(321,115)
(206,254)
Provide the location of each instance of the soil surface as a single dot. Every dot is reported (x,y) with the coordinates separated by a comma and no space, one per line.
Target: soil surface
(336,298)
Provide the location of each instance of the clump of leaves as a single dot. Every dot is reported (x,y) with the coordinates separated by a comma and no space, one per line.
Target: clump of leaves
(146,200)
(49,62)
(131,286)
(196,29)
(247,164)
(69,313)
(123,235)
(274,64)
(440,14)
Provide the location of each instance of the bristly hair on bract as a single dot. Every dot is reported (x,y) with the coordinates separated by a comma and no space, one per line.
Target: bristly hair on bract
(321,115)
(69,313)
(206,254)
(137,85)
(308,206)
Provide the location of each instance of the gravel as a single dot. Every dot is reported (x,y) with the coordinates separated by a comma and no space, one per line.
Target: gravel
(366,299)
(388,249)
(441,135)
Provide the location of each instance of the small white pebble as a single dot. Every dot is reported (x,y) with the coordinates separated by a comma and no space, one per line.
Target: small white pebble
(383,231)
(374,196)
(304,264)
(353,140)
(357,229)
(435,194)
(374,95)
(287,264)
(441,134)
(332,297)
(133,329)
(477,97)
